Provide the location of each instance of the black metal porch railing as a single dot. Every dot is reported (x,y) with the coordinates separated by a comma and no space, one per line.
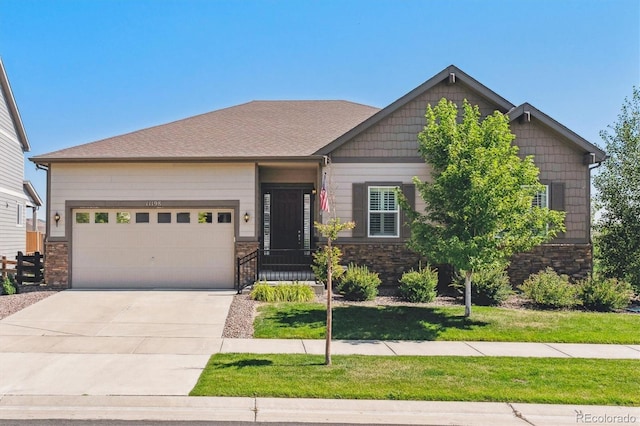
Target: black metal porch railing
(274,265)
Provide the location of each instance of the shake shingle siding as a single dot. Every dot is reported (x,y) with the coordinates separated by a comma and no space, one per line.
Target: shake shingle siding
(396,135)
(559,161)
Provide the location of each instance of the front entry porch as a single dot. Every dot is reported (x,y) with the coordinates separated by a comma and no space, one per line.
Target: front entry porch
(274,265)
(286,241)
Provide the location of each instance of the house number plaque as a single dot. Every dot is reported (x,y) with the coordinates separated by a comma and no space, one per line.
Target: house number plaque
(153,204)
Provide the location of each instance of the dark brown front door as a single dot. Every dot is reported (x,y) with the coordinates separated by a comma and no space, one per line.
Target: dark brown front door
(286,219)
(287,228)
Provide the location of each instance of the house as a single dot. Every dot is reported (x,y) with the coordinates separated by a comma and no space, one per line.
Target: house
(177,204)
(16,194)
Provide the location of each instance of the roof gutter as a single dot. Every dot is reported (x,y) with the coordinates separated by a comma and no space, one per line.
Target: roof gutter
(41,166)
(45,161)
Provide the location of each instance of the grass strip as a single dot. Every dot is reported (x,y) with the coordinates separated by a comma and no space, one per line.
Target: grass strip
(307,321)
(497,379)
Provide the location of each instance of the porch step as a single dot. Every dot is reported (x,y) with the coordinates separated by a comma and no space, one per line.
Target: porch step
(286,276)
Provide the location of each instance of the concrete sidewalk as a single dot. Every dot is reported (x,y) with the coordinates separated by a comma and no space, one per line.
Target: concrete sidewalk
(429,348)
(283,410)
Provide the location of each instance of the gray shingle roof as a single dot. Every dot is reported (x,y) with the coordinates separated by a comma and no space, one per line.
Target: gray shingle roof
(255,129)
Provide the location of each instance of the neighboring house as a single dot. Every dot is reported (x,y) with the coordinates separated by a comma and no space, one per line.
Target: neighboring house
(176,204)
(16,194)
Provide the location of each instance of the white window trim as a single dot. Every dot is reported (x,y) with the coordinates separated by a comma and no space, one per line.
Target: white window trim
(545,196)
(369,211)
(20,215)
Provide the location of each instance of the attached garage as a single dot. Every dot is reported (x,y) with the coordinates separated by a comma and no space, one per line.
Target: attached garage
(152,248)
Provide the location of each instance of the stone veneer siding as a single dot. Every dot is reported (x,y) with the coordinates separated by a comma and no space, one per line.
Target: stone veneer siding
(574,260)
(242,249)
(390,260)
(56,263)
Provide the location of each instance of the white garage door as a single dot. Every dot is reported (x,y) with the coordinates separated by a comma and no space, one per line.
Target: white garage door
(164,248)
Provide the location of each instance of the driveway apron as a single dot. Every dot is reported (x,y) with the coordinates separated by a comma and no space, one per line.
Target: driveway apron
(111,342)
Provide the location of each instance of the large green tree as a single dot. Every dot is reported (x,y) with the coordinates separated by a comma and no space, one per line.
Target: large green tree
(479,200)
(617,236)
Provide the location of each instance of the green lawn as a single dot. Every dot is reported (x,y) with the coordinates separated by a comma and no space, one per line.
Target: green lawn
(532,380)
(307,321)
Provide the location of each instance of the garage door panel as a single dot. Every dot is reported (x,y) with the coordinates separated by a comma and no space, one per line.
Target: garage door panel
(152,255)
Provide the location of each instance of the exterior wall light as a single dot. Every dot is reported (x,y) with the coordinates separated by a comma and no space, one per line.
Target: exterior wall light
(246,217)
(56,217)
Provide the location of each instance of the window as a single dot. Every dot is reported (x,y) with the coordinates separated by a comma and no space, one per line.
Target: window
(123,217)
(101,217)
(82,217)
(142,217)
(164,217)
(20,215)
(183,217)
(384,212)
(541,199)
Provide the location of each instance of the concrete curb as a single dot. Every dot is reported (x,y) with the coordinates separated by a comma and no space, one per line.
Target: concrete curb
(183,408)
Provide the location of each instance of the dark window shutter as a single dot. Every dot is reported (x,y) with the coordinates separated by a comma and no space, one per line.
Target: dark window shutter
(409,191)
(557,199)
(358,199)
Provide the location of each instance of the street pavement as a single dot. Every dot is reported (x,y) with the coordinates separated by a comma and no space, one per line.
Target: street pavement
(135,355)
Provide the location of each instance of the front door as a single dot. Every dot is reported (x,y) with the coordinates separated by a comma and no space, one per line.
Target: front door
(286,219)
(287,223)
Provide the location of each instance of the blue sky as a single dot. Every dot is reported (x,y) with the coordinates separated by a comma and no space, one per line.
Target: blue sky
(83,70)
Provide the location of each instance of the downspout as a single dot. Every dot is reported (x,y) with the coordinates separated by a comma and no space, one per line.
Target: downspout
(598,164)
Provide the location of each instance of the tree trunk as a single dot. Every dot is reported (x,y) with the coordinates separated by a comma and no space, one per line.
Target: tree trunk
(467,294)
(327,352)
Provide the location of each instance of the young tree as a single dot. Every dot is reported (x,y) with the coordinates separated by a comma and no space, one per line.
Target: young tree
(617,236)
(330,231)
(479,203)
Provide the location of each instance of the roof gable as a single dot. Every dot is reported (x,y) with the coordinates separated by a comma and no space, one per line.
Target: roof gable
(31,193)
(451,74)
(13,108)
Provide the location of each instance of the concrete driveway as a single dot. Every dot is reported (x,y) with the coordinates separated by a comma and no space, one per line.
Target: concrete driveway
(111,342)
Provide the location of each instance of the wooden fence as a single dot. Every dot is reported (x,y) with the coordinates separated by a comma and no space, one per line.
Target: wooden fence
(7,266)
(35,242)
(27,268)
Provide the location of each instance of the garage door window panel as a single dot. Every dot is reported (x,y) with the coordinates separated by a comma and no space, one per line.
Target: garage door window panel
(164,217)
(142,217)
(101,217)
(205,217)
(82,217)
(123,217)
(183,217)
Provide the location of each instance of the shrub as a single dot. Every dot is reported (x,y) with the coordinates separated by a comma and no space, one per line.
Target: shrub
(319,265)
(489,287)
(296,292)
(605,294)
(419,286)
(547,289)
(358,283)
(8,287)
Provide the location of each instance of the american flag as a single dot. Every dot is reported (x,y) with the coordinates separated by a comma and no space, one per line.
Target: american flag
(324,199)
